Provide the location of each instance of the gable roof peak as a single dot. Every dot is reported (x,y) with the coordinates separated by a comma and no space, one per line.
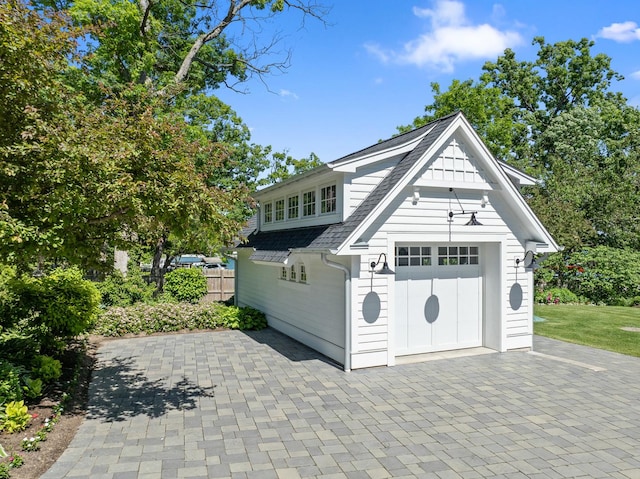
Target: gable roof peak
(394,142)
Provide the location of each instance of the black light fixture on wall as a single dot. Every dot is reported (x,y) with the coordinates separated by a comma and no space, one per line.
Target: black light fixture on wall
(385,266)
(472,222)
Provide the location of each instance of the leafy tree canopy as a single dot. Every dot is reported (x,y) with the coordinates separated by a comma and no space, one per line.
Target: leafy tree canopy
(108,132)
(557,119)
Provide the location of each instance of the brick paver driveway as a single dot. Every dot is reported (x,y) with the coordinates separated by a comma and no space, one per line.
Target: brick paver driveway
(259,405)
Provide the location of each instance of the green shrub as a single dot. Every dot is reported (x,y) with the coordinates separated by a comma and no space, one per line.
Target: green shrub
(19,344)
(4,471)
(118,290)
(46,368)
(556,295)
(69,304)
(15,417)
(167,317)
(8,297)
(186,284)
(32,388)
(10,389)
(250,318)
(600,274)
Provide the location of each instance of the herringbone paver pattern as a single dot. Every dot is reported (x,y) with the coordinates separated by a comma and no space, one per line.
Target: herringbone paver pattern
(259,405)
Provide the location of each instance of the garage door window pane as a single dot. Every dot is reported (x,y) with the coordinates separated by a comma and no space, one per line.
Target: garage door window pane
(413,256)
(458,255)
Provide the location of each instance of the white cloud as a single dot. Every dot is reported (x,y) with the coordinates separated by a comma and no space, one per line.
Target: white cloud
(624,32)
(288,94)
(451,38)
(635,75)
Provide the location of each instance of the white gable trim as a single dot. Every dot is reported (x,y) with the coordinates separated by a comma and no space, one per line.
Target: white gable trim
(491,166)
(542,235)
(521,178)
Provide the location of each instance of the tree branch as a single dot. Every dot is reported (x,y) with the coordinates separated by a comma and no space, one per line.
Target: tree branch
(145,7)
(234,9)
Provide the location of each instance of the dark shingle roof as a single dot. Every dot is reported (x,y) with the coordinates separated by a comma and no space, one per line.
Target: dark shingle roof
(332,236)
(387,144)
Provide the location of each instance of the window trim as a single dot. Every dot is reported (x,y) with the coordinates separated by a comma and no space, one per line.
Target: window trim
(303,276)
(267,210)
(275,210)
(311,204)
(296,208)
(328,200)
(293,273)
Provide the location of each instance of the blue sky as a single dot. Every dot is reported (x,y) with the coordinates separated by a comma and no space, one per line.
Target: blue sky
(352,82)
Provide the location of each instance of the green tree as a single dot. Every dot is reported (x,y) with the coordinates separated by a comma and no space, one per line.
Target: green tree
(77,175)
(557,119)
(183,51)
(123,143)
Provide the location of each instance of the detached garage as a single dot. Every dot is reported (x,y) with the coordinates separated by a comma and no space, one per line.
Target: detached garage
(417,244)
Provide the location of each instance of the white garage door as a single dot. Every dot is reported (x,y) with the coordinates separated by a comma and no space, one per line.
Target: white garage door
(438,298)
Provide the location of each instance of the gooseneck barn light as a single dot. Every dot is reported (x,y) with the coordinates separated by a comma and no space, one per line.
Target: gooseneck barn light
(385,266)
(472,222)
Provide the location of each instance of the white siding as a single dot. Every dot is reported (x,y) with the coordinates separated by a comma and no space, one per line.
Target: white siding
(427,221)
(312,313)
(365,180)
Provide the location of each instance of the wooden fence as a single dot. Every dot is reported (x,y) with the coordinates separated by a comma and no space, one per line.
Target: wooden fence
(220,284)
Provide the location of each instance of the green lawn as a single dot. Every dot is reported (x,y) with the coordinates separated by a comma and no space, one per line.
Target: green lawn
(596,326)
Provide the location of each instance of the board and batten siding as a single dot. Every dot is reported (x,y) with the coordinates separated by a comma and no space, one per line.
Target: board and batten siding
(311,312)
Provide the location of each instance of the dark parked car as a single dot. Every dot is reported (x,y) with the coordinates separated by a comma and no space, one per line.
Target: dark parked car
(188,261)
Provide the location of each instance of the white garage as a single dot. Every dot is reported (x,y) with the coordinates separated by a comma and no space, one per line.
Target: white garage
(438,298)
(432,205)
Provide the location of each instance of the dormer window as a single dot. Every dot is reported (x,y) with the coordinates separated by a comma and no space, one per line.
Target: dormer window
(268,212)
(280,210)
(309,203)
(328,199)
(293,210)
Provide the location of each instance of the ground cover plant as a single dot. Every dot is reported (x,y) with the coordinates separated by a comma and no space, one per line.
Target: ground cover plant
(614,328)
(144,318)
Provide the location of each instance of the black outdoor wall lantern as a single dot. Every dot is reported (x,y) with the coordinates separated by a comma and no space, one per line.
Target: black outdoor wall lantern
(385,266)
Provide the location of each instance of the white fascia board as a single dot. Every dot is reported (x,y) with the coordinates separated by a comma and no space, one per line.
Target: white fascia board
(320,170)
(522,178)
(400,185)
(352,165)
